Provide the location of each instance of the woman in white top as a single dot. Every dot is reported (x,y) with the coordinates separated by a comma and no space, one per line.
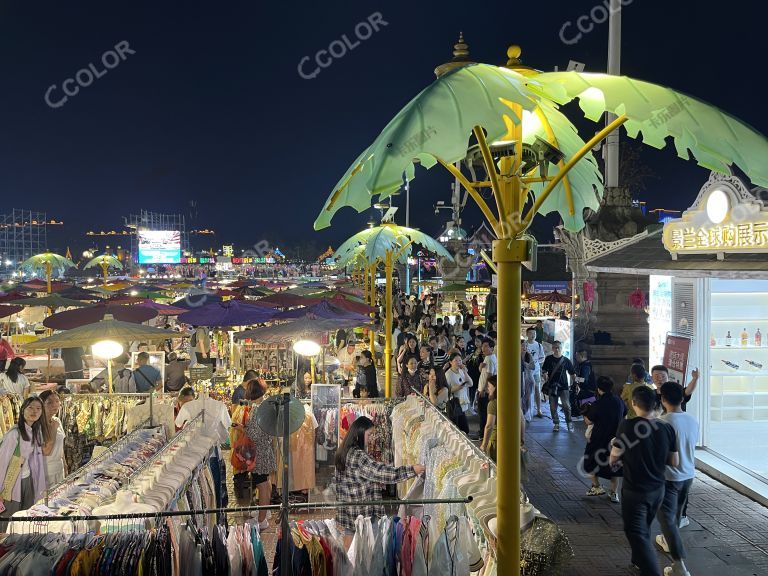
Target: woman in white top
(53,449)
(13,380)
(459,380)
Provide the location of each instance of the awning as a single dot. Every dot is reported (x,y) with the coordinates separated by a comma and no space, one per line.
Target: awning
(647,255)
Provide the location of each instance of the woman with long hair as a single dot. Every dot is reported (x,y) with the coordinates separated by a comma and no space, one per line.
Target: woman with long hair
(23,484)
(604,416)
(266,463)
(409,379)
(407,350)
(488,445)
(13,380)
(436,388)
(53,449)
(358,477)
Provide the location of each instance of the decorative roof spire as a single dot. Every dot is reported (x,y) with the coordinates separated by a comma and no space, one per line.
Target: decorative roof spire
(459,60)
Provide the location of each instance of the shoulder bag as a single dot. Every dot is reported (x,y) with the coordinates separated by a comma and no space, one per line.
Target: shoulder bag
(13,471)
(546,388)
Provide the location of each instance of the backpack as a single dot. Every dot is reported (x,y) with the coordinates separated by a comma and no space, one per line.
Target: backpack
(122,381)
(193,340)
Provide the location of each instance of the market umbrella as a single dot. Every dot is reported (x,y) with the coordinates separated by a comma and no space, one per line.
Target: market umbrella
(162,309)
(253,291)
(229,313)
(123,299)
(285,299)
(78,293)
(9,310)
(47,262)
(54,300)
(342,293)
(107,329)
(304,290)
(105,262)
(11,296)
(192,301)
(71,319)
(325,309)
(554,297)
(307,325)
(351,305)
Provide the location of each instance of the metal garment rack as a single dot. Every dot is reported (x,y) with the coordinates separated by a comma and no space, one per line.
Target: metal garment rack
(118,444)
(427,404)
(236,510)
(181,433)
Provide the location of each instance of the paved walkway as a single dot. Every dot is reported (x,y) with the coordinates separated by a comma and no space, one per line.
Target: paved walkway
(728,534)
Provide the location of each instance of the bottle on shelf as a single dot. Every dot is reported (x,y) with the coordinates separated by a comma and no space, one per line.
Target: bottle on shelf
(730,364)
(713,340)
(758,338)
(744,338)
(728,338)
(755,365)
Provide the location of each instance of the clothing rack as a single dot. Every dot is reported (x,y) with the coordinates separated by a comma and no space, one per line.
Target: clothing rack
(236,510)
(146,395)
(101,457)
(136,473)
(479,453)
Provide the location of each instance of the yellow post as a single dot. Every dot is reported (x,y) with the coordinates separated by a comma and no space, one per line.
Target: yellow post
(388,326)
(372,301)
(48,274)
(104,267)
(109,374)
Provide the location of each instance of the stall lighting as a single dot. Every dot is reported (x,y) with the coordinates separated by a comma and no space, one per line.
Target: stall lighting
(306,348)
(107,349)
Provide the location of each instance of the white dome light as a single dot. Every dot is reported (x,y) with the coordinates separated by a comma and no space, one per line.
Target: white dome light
(717,206)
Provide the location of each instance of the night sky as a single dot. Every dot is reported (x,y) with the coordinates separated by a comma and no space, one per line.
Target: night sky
(208,104)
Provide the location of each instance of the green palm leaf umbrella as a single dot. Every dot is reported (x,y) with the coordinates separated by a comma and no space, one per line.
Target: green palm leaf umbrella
(47,262)
(105,262)
(509,108)
(388,243)
(54,300)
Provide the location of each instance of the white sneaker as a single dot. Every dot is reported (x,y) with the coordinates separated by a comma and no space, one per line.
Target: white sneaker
(684,522)
(556,428)
(614,497)
(675,570)
(662,543)
(570,427)
(596,491)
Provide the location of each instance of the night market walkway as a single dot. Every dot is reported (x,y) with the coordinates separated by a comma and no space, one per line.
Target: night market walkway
(727,530)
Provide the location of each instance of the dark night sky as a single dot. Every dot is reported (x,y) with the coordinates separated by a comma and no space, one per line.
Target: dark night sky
(211,107)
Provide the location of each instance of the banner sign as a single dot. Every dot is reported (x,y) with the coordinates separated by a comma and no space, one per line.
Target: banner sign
(676,350)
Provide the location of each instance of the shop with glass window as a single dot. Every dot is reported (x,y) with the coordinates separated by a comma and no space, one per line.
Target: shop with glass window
(708,278)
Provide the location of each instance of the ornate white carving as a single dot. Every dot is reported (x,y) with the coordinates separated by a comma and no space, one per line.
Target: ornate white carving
(733,183)
(597,248)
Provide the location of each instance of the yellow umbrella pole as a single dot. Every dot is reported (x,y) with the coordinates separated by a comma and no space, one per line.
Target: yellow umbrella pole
(48,274)
(388,326)
(109,374)
(372,272)
(104,267)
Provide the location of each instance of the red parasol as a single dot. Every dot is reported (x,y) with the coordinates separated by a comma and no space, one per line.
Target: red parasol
(91,314)
(11,296)
(351,305)
(162,309)
(551,297)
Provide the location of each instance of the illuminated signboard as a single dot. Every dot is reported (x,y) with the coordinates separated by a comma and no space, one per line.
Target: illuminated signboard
(159,246)
(726,218)
(228,250)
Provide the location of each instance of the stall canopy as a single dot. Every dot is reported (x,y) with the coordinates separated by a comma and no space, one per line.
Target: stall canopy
(229,313)
(193,301)
(11,296)
(285,299)
(70,319)
(554,297)
(9,310)
(77,293)
(325,309)
(54,300)
(106,329)
(303,327)
(162,309)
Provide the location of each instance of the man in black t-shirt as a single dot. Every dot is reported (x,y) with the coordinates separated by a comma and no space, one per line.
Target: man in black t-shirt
(644,445)
(556,374)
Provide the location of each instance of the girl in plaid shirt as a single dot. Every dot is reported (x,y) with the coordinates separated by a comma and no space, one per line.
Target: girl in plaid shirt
(359,477)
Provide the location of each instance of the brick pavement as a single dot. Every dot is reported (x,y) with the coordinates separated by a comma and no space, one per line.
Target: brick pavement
(728,534)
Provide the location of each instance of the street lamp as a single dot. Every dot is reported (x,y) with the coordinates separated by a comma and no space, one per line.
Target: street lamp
(107,349)
(306,348)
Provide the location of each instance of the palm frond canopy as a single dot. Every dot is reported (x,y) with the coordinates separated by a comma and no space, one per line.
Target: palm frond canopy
(108,259)
(42,261)
(374,243)
(438,123)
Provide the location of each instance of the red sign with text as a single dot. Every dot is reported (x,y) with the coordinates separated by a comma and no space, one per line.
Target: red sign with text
(676,349)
